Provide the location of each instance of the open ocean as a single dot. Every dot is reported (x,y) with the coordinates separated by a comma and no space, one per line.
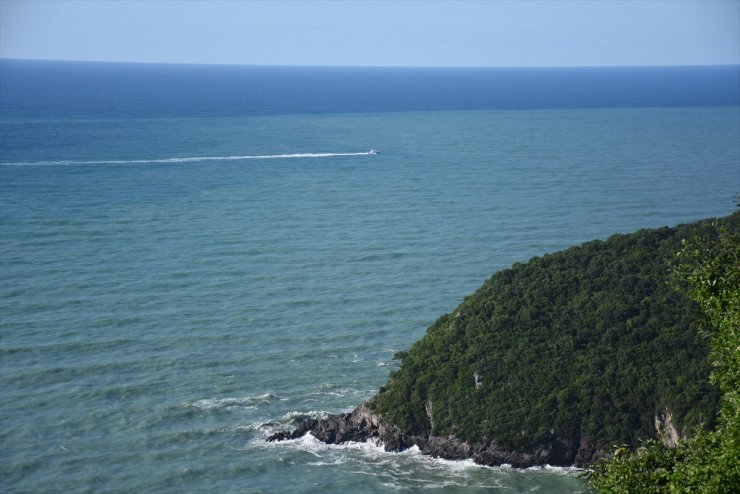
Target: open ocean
(193,257)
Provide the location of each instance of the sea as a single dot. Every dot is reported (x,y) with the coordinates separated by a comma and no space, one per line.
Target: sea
(194,257)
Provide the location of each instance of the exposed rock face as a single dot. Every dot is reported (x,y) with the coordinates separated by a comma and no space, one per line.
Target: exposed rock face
(362,425)
(666,430)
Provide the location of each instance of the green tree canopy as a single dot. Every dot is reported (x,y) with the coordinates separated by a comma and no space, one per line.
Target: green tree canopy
(587,345)
(710,463)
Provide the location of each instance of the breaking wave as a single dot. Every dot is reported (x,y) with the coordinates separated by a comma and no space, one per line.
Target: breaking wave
(410,469)
(229,402)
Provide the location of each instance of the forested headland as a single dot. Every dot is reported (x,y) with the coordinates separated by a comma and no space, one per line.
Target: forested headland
(589,347)
(558,359)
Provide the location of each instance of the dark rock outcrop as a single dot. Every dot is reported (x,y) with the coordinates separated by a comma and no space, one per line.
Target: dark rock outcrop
(360,425)
(363,425)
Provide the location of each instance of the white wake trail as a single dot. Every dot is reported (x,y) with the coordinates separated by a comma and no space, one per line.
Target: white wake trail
(190,159)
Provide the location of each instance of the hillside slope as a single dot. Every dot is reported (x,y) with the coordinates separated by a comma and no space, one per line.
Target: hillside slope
(552,361)
(585,347)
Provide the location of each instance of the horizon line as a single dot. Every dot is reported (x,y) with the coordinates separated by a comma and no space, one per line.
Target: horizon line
(128,62)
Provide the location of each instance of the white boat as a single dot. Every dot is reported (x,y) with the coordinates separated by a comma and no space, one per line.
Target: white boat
(372,151)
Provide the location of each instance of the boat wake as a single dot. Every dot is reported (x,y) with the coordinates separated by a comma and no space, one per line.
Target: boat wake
(189,159)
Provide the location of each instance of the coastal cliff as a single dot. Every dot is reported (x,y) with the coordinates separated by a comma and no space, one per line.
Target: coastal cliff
(551,362)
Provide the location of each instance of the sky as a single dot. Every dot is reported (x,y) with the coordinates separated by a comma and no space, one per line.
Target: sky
(376,33)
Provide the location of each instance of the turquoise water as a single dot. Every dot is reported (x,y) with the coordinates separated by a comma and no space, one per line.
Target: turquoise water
(164,311)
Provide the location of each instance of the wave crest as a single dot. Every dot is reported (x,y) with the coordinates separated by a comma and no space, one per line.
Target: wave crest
(229,402)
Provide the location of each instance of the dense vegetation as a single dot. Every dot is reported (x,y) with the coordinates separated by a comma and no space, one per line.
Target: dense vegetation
(586,345)
(710,462)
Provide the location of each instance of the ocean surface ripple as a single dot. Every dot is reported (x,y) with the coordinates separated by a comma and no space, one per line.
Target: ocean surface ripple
(158,322)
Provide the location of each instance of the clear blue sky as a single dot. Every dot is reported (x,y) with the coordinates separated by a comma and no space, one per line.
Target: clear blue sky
(386,33)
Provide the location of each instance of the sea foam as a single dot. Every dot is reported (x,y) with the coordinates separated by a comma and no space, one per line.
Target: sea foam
(250,402)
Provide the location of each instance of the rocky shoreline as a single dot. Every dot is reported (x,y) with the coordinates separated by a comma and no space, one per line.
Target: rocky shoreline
(362,425)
